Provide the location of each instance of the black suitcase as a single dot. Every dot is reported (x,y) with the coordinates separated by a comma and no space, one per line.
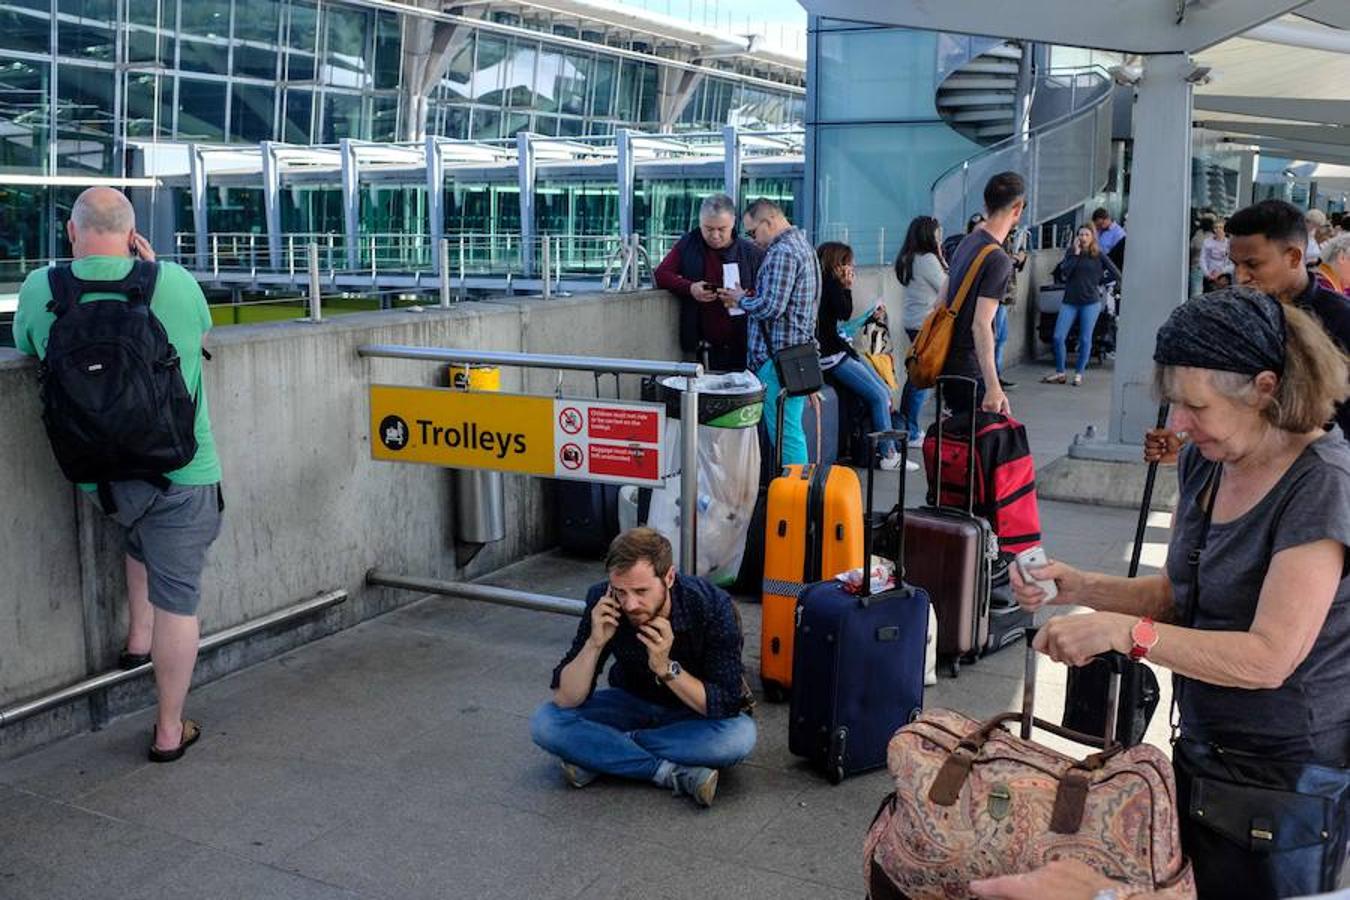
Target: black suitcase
(1086,696)
(858,664)
(1008,621)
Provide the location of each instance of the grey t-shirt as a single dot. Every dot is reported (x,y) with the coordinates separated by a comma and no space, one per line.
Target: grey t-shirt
(1308,717)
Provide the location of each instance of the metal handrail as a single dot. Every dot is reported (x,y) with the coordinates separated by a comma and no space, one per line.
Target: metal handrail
(1014,140)
(29,708)
(1030,143)
(604,365)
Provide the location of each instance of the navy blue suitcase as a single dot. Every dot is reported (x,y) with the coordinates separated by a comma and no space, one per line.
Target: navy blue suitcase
(820,421)
(588,517)
(858,663)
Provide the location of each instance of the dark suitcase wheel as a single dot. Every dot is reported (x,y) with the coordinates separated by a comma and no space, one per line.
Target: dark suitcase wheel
(836,774)
(954,667)
(775,692)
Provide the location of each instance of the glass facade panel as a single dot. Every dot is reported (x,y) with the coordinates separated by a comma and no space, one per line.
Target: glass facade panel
(602,98)
(84,29)
(84,118)
(302,38)
(257,22)
(251,113)
(201,110)
(298,117)
(24,119)
(388,51)
(25,25)
(665,209)
(342,117)
(345,58)
(853,87)
(140,108)
(205,18)
(311,209)
(207,57)
(870,177)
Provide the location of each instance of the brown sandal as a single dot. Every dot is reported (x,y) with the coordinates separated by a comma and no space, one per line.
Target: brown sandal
(191,731)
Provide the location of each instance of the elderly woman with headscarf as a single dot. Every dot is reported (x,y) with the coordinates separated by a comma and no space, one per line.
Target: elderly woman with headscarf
(1252,610)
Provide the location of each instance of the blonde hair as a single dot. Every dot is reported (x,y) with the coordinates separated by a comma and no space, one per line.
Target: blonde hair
(1316,378)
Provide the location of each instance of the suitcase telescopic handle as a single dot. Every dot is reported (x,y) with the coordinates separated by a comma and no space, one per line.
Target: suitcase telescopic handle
(1117,662)
(1141,526)
(970,452)
(873,442)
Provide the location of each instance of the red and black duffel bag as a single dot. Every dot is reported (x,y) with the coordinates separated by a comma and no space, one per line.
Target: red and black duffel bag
(1005,476)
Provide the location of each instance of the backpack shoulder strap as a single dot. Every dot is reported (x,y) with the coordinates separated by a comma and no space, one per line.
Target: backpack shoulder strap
(66,290)
(968,282)
(139,285)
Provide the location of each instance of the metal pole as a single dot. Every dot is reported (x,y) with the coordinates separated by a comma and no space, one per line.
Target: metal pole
(602,364)
(484,593)
(463,269)
(881,246)
(544,268)
(291,255)
(443,266)
(372,258)
(315,311)
(689,478)
(29,708)
(215,255)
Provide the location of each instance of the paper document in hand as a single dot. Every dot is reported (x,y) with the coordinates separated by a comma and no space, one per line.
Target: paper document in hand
(731,277)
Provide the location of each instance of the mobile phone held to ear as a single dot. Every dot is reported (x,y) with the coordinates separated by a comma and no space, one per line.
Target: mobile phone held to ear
(1035,558)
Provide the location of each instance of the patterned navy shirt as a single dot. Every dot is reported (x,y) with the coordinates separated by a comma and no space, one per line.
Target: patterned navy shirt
(784,308)
(707,645)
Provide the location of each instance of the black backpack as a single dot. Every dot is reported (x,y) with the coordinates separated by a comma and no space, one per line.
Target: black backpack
(114,401)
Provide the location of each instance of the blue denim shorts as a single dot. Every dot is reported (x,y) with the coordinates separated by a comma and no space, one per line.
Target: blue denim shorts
(169,531)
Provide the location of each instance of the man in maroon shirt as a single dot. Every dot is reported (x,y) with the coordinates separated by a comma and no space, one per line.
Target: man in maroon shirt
(693,271)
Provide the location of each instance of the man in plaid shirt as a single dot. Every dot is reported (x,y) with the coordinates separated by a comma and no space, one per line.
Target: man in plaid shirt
(782,310)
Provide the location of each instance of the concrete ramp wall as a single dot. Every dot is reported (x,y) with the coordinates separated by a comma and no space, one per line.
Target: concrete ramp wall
(307,510)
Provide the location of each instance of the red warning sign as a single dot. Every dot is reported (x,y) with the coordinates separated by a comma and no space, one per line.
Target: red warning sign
(611,423)
(624,461)
(570,420)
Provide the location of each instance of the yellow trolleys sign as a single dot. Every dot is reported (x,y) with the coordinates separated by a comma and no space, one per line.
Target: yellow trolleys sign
(592,440)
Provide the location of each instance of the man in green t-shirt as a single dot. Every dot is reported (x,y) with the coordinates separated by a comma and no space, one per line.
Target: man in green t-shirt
(169,529)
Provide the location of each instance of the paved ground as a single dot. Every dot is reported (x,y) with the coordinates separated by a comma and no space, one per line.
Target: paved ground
(393,760)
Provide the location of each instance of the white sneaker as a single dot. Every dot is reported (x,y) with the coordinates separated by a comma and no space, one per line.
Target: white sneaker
(892,463)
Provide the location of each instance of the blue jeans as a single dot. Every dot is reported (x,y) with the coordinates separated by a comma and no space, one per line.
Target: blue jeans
(1086,318)
(912,400)
(1000,336)
(794,439)
(617,733)
(860,378)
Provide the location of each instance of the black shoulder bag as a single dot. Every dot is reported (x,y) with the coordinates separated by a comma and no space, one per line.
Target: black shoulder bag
(1254,827)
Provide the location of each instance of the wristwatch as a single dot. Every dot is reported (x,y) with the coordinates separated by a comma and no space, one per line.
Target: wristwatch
(672,671)
(1144,633)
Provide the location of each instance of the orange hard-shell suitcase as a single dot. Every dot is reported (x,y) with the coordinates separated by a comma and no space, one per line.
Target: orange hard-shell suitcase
(813,530)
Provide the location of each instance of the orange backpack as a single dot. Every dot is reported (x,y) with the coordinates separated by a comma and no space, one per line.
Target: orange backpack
(928,354)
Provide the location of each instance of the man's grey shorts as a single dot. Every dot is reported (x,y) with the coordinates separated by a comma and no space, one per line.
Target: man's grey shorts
(169,531)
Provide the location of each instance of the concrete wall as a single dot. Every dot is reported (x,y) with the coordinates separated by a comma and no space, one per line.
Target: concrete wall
(307,510)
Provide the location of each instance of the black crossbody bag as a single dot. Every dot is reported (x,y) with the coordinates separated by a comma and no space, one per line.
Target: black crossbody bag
(1254,827)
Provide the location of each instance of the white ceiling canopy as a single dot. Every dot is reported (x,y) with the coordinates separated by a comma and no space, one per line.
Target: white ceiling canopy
(1130,26)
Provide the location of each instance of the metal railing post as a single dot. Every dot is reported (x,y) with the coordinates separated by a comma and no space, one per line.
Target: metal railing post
(544,269)
(315,310)
(215,255)
(689,478)
(372,259)
(463,271)
(443,256)
(881,246)
(290,256)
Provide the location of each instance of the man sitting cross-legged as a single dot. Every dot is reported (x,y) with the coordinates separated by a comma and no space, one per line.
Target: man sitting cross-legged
(675,711)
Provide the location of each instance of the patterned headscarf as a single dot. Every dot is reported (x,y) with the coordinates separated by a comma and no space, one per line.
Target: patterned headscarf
(1236,329)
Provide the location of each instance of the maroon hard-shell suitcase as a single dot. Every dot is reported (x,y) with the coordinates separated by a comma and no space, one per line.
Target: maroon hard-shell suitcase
(948,553)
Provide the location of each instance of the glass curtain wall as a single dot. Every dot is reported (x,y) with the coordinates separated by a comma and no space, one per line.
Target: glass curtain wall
(879,141)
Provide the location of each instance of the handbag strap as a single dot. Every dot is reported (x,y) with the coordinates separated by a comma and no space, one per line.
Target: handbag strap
(1208,491)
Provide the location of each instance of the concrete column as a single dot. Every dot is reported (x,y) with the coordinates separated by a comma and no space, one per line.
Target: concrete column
(1249,164)
(197,180)
(351,202)
(1156,255)
(271,178)
(627,177)
(731,161)
(435,199)
(527,174)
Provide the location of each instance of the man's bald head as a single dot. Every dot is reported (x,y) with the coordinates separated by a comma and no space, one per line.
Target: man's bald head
(103,210)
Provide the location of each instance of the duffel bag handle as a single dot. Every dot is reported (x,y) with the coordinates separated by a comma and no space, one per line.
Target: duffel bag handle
(1071,796)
